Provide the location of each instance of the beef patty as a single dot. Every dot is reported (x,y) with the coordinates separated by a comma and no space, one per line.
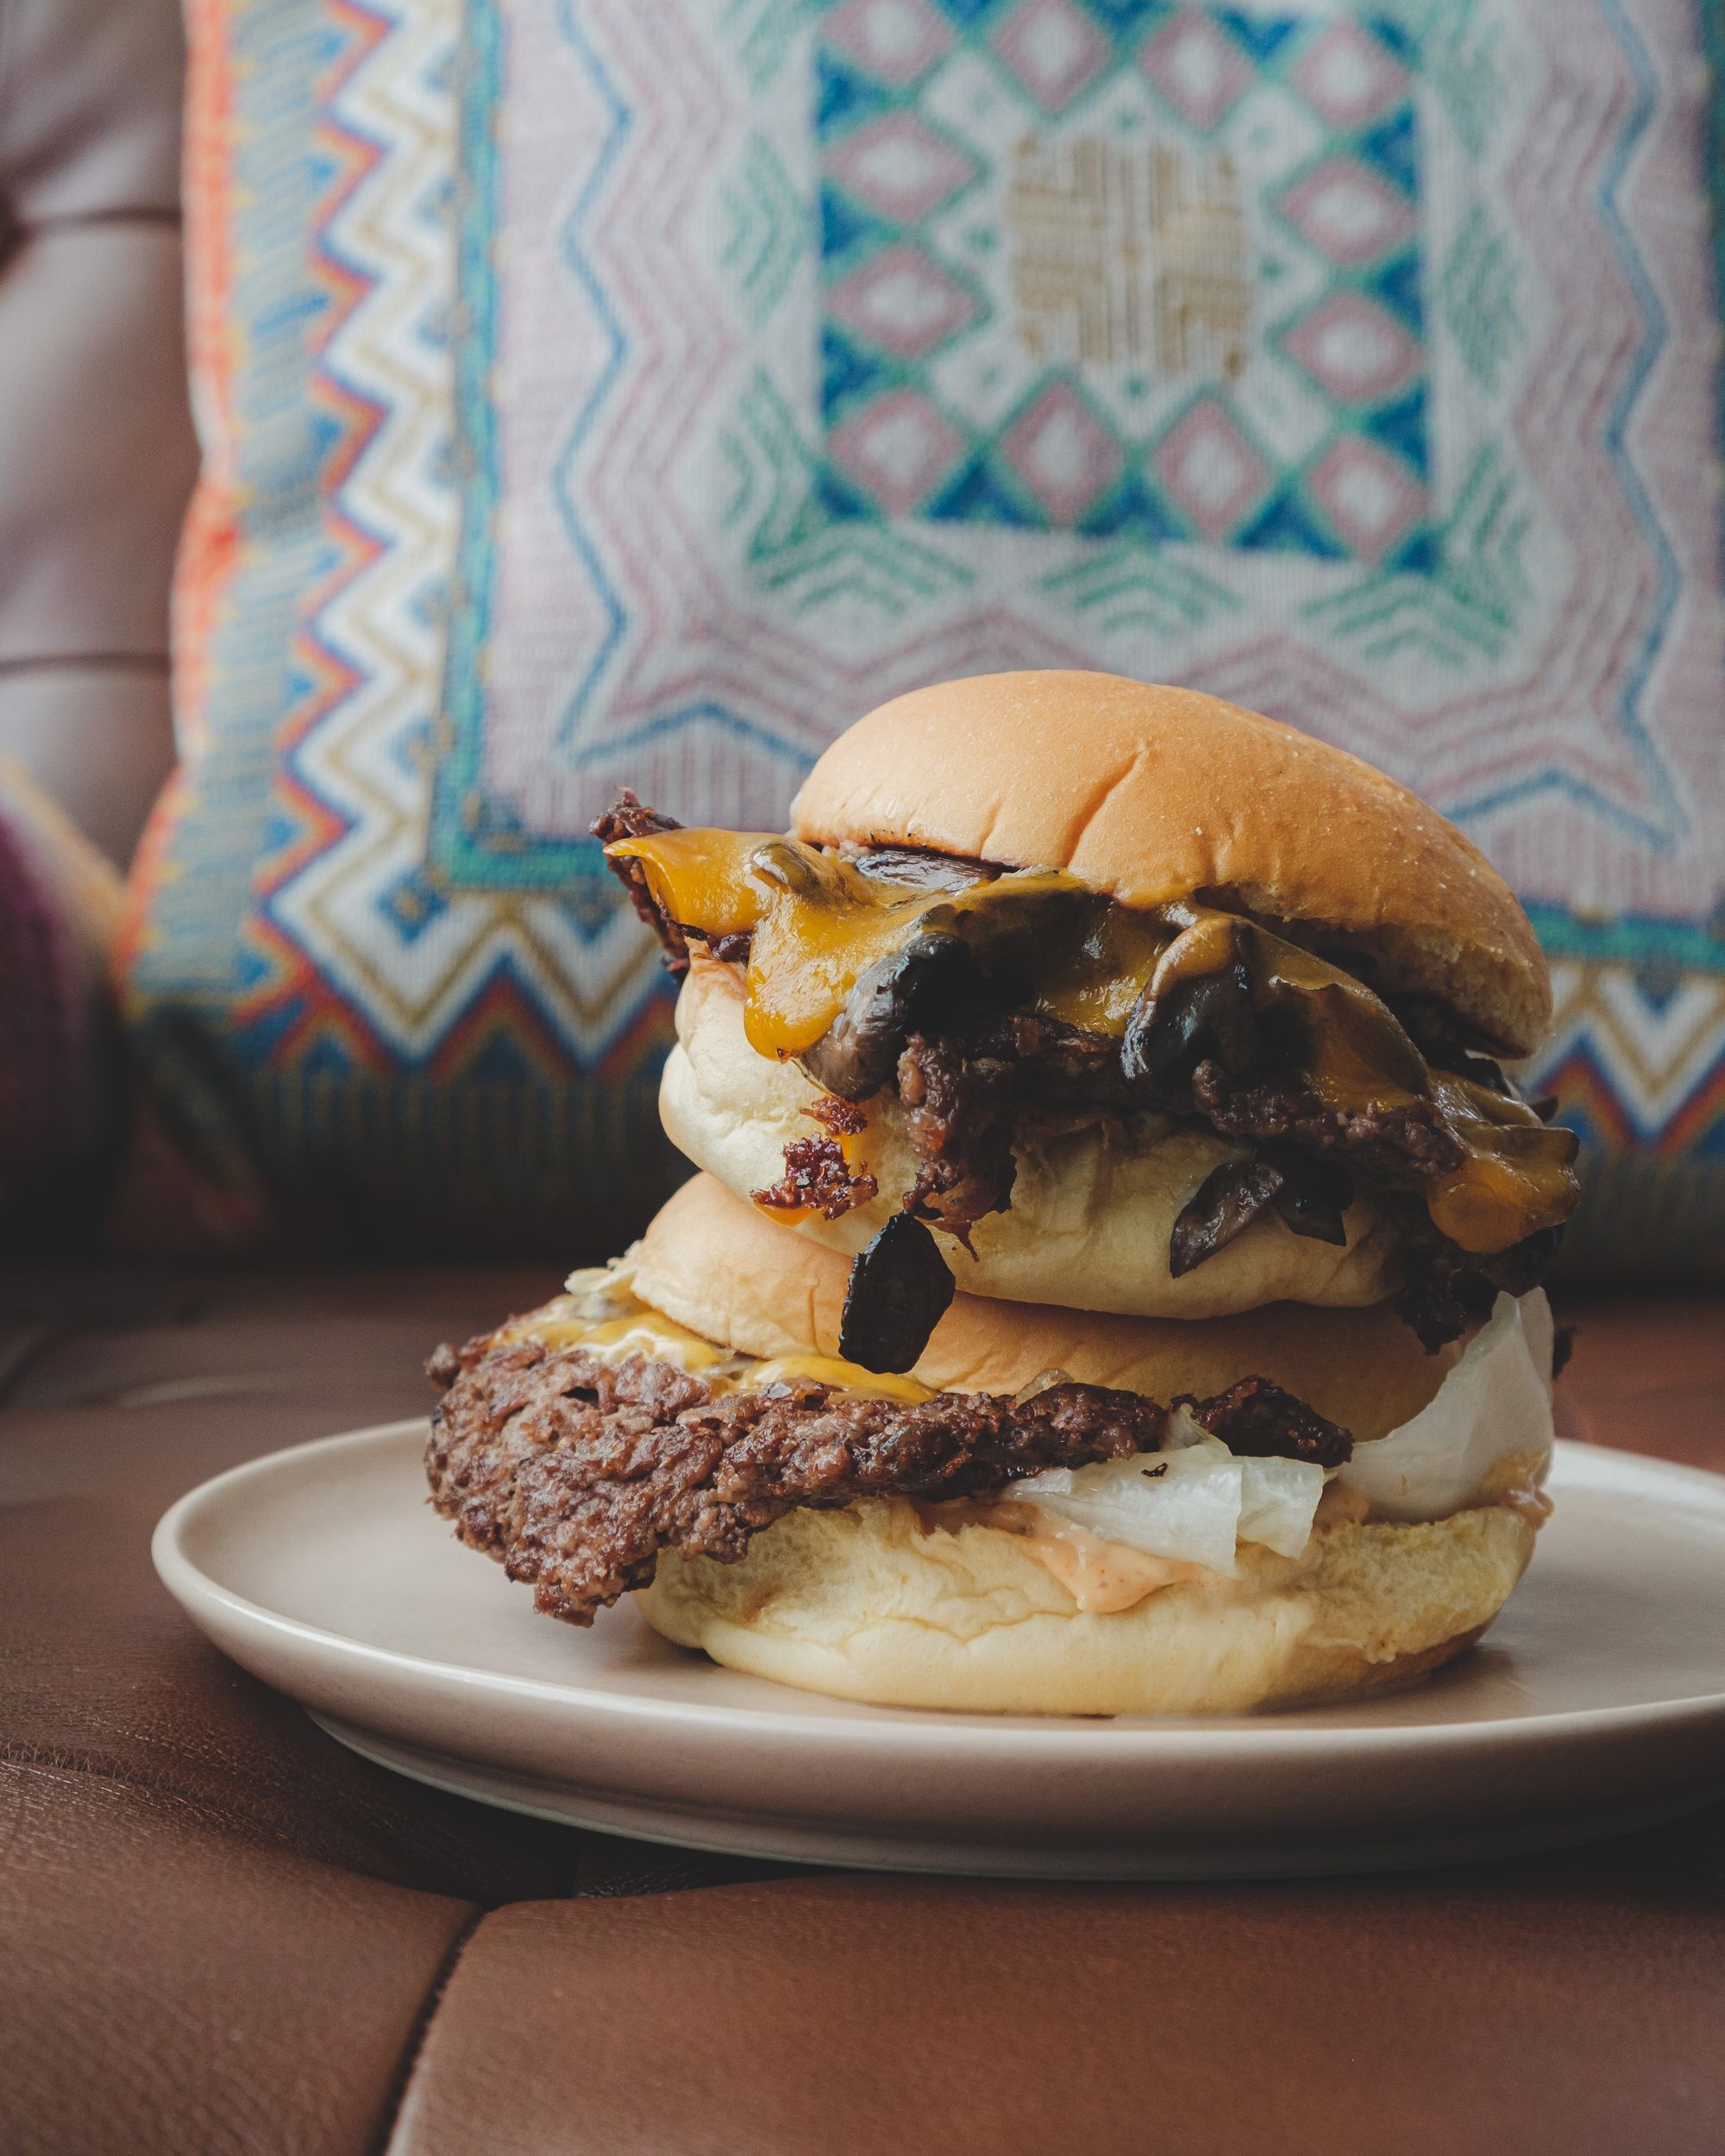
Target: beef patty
(576,1474)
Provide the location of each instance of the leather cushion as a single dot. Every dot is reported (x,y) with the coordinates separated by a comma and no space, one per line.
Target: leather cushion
(852,2016)
(166,1984)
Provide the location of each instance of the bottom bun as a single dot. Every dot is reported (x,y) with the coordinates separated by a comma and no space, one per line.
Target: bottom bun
(865,1604)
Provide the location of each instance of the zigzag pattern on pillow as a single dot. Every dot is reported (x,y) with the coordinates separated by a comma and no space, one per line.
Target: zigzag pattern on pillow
(667,381)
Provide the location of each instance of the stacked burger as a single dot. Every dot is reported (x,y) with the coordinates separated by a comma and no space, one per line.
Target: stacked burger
(1113,1286)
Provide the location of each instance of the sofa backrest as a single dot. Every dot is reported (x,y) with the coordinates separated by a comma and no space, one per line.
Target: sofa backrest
(96,451)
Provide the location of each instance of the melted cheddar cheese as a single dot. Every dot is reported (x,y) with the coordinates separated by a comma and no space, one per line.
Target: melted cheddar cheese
(601,1314)
(818,923)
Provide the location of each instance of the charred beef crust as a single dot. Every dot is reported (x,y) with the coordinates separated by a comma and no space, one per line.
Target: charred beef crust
(629,816)
(506,1404)
(842,1117)
(1258,1420)
(817,1179)
(1445,1289)
(1059,1066)
(964,1096)
(1440,1295)
(960,1112)
(578,1476)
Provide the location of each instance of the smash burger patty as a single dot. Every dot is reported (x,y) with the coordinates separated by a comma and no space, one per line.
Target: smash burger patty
(579,1473)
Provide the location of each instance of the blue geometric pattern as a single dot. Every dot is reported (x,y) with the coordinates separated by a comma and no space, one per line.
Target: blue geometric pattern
(1150,270)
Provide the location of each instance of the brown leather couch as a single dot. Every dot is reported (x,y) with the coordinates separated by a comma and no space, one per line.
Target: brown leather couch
(223,1933)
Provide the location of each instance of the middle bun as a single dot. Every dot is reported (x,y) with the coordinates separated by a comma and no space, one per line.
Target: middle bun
(723,1270)
(1091,1214)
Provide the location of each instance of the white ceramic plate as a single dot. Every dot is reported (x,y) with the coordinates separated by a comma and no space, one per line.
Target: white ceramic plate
(1597,1704)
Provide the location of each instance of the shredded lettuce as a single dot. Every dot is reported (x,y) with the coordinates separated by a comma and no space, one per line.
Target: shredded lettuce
(1193,1501)
(1277,1499)
(1495,1402)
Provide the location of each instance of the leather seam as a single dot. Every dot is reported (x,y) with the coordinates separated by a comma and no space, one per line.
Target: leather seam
(414,2049)
(154,663)
(29,226)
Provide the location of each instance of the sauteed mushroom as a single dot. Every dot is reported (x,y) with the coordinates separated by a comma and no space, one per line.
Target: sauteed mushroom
(898,1293)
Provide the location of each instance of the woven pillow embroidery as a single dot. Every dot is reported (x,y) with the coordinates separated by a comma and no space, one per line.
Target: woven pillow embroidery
(1357,363)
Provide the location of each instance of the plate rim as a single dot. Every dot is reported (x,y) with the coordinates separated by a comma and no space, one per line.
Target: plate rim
(925,1729)
(1317,1858)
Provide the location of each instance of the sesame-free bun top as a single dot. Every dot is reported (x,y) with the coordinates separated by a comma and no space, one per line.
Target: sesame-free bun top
(1150,794)
(717,1265)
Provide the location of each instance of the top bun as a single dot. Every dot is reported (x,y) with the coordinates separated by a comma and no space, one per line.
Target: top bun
(1150,795)
(715,1263)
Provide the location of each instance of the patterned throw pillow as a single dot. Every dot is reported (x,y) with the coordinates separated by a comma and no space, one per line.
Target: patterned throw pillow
(1360,363)
(338,1021)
